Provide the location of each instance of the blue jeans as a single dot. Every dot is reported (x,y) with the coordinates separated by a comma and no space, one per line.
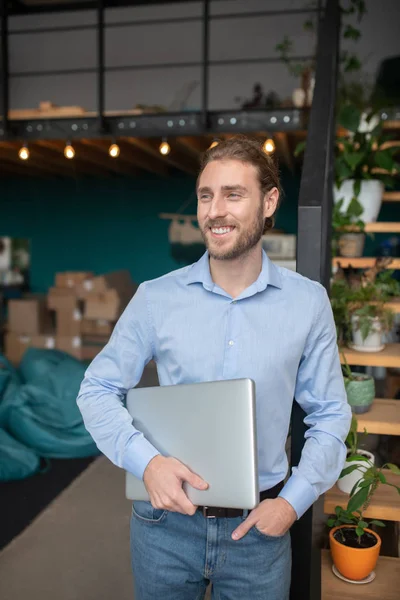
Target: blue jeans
(175,556)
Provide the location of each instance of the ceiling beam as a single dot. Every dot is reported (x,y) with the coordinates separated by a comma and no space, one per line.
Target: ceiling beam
(9,152)
(83,164)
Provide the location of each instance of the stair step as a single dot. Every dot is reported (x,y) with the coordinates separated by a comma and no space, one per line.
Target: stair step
(385,504)
(383,418)
(385,586)
(388,357)
(391,197)
(364,262)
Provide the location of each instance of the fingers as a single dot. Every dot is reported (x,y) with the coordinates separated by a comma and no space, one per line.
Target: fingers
(177,501)
(244,527)
(194,480)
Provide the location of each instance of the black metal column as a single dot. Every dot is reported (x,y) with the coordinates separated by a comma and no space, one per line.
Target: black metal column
(205,65)
(314,258)
(4,82)
(100,63)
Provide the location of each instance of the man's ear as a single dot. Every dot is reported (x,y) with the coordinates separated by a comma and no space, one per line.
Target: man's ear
(271,200)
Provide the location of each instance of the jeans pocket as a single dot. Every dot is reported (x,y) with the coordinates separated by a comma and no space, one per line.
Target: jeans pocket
(265,535)
(144,511)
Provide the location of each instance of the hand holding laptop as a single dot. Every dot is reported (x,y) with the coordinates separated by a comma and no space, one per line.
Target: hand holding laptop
(164,477)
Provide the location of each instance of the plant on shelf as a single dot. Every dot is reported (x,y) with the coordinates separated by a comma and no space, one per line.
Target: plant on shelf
(355,456)
(350,532)
(364,161)
(305,69)
(360,389)
(369,323)
(348,228)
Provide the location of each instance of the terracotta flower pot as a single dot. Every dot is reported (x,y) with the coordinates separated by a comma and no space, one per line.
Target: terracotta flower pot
(354,563)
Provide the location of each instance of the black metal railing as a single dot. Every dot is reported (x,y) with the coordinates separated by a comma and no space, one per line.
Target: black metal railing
(314,257)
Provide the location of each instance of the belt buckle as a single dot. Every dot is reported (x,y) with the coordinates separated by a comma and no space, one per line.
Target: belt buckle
(206,515)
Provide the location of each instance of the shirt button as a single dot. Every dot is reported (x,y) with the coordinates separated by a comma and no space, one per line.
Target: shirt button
(231,342)
(234,302)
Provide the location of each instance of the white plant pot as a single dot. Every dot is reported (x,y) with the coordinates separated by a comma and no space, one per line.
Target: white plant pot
(373,341)
(346,483)
(370,197)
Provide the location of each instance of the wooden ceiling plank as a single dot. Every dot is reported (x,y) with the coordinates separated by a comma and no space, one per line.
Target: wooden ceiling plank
(77,163)
(151,148)
(130,157)
(9,153)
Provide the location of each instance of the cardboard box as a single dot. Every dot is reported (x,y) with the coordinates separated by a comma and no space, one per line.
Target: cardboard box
(62,299)
(15,346)
(46,341)
(89,352)
(28,316)
(100,327)
(105,306)
(70,344)
(95,340)
(71,279)
(69,323)
(121,281)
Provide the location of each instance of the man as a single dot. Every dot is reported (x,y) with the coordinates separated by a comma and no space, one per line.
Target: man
(233,314)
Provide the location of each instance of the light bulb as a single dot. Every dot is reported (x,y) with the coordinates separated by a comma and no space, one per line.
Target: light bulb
(69,152)
(114,150)
(165,148)
(23,152)
(269,146)
(213,144)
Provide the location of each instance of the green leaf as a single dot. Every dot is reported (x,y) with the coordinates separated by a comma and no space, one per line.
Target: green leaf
(394,468)
(300,148)
(384,160)
(378,523)
(362,524)
(348,470)
(355,486)
(349,117)
(351,33)
(382,477)
(331,522)
(309,25)
(354,159)
(359,531)
(357,189)
(357,500)
(358,457)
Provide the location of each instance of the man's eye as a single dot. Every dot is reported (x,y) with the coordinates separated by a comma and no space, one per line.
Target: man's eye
(205,197)
(233,195)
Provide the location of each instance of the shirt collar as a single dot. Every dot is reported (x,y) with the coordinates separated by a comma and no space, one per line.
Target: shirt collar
(199,272)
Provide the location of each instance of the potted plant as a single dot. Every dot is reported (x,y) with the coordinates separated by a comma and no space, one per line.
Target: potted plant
(369,324)
(360,389)
(364,162)
(354,546)
(355,458)
(348,228)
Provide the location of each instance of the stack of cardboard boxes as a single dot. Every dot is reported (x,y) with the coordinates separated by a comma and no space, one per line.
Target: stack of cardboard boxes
(77,316)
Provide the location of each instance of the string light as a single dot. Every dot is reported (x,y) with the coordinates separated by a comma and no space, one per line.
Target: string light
(269,146)
(114,151)
(69,152)
(23,152)
(165,148)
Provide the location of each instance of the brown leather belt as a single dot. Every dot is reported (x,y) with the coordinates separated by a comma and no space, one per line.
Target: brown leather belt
(211,512)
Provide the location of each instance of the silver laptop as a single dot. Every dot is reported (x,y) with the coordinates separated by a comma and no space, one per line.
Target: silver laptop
(211,428)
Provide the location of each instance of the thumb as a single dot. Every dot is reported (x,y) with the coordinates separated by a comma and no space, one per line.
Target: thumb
(194,480)
(244,528)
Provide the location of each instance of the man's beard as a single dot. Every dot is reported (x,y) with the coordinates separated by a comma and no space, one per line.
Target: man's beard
(245,242)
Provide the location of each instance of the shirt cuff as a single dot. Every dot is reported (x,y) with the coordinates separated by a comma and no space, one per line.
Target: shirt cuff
(299,493)
(137,455)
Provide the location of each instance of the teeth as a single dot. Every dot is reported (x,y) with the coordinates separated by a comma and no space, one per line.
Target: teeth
(221,230)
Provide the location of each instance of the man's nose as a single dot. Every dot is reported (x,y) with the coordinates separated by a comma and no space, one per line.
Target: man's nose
(218,208)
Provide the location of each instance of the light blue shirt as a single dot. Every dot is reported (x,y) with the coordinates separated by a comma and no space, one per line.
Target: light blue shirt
(279,332)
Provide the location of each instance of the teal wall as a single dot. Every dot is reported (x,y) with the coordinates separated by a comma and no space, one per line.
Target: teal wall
(103,225)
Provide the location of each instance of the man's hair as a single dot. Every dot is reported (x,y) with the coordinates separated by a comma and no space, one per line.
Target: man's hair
(250,151)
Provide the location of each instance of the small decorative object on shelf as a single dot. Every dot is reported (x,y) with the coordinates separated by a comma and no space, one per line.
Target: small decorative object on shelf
(360,389)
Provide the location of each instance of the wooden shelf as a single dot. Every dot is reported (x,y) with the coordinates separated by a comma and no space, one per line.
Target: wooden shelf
(381,227)
(385,504)
(388,357)
(362,263)
(391,197)
(385,586)
(383,418)
(394,305)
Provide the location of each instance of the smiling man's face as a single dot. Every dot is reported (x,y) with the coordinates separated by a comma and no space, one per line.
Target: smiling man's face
(231,208)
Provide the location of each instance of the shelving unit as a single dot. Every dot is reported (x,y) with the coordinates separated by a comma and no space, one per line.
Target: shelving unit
(385,587)
(391,197)
(383,418)
(364,262)
(388,357)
